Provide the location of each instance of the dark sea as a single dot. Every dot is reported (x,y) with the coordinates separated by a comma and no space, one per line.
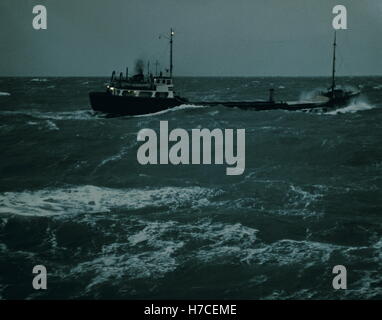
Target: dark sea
(74,198)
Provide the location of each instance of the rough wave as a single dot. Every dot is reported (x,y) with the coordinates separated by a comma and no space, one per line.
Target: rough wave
(76,200)
(175,109)
(39,80)
(91,199)
(64,115)
(352,108)
(51,125)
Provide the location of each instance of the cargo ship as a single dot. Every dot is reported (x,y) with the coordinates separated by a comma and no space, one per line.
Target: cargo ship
(145,94)
(139,94)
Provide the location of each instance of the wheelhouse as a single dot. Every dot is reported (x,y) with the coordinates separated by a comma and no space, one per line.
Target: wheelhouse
(151,87)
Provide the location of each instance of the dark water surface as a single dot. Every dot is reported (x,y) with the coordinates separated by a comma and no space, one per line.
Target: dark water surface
(74,198)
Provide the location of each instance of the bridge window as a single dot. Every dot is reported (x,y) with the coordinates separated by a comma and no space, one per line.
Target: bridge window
(127,93)
(145,94)
(161,94)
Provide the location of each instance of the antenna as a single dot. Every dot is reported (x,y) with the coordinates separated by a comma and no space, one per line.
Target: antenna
(156,67)
(171,48)
(171,42)
(334,64)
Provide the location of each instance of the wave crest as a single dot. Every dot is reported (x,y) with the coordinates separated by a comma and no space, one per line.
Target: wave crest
(352,108)
(92,199)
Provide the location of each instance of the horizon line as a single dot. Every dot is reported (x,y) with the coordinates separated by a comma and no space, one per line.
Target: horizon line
(197,76)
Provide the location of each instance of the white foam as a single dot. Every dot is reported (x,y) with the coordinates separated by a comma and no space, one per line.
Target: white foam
(65,115)
(225,240)
(178,108)
(118,260)
(367,286)
(39,80)
(310,95)
(111,267)
(304,196)
(352,108)
(91,199)
(150,251)
(68,115)
(214,113)
(287,252)
(122,153)
(51,125)
(159,257)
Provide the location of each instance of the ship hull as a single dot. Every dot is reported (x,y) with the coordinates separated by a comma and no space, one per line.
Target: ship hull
(125,105)
(264,105)
(342,101)
(246,105)
(287,105)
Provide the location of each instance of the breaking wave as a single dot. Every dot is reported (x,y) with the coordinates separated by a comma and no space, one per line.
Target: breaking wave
(206,241)
(310,95)
(92,199)
(51,125)
(65,115)
(39,80)
(74,198)
(352,108)
(175,109)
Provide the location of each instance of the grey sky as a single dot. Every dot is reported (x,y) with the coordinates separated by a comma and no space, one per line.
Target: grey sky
(213,37)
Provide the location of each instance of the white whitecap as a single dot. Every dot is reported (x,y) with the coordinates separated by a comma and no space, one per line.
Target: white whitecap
(65,115)
(39,80)
(178,108)
(51,125)
(352,108)
(92,199)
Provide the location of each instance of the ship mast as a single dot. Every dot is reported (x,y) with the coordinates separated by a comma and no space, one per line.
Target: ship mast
(171,42)
(156,67)
(334,64)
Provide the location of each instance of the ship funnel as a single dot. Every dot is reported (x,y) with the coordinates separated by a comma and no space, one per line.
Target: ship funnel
(271,95)
(139,66)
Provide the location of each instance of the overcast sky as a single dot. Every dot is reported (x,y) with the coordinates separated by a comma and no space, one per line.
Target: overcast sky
(213,37)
